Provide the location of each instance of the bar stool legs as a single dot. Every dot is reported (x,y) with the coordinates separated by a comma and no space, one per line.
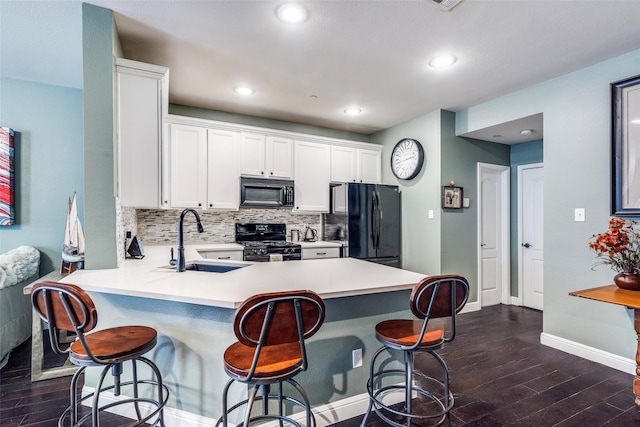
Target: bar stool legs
(413,383)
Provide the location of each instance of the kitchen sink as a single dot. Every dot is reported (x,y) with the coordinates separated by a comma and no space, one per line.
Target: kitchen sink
(213,267)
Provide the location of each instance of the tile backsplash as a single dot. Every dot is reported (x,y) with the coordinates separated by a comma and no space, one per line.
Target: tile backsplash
(160,227)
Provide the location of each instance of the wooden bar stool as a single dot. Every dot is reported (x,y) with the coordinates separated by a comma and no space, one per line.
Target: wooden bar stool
(67,307)
(433,298)
(271,330)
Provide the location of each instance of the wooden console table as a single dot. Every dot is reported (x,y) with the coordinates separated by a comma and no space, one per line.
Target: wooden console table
(630,299)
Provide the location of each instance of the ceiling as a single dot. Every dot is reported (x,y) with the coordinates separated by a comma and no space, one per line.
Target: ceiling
(372,54)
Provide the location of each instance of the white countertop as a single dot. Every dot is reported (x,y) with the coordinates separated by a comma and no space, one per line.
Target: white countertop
(153,277)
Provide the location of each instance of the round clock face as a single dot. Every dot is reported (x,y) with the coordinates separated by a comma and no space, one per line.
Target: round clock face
(407,158)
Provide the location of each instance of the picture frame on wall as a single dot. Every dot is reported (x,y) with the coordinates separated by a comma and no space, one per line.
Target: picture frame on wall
(625,147)
(7,198)
(452,197)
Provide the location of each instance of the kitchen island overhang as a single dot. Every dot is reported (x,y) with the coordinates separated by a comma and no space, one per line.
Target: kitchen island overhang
(193,314)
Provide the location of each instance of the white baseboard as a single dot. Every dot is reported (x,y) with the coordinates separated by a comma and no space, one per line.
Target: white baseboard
(471,307)
(595,355)
(516,301)
(325,414)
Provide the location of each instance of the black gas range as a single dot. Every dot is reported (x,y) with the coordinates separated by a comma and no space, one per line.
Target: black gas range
(266,242)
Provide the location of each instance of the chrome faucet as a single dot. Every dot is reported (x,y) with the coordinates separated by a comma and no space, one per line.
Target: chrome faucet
(180,264)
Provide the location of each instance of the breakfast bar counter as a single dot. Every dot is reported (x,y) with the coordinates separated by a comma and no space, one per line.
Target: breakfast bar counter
(193,312)
(153,277)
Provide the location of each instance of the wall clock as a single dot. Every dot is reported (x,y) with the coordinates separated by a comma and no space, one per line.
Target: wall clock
(407,158)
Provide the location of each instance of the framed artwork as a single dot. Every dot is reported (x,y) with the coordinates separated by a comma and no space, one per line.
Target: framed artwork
(625,147)
(451,197)
(6,177)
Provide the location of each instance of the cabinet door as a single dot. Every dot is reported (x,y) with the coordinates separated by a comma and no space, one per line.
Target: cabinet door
(312,172)
(279,157)
(223,177)
(252,154)
(369,170)
(320,253)
(139,135)
(187,166)
(343,164)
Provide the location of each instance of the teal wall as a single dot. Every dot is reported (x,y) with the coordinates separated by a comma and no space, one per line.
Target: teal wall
(201,113)
(460,158)
(521,154)
(577,145)
(420,235)
(99,134)
(48,164)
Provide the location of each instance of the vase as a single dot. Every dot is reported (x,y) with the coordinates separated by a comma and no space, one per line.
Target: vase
(629,281)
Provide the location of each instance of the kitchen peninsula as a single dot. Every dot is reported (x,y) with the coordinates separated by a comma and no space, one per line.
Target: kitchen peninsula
(193,313)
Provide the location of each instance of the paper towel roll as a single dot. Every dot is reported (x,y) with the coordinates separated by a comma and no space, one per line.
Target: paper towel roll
(275,257)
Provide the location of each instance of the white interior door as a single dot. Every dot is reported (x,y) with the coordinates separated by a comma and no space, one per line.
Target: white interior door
(531,244)
(493,226)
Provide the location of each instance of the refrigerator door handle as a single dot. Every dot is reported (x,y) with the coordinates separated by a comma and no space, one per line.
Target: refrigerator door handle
(376,223)
(373,219)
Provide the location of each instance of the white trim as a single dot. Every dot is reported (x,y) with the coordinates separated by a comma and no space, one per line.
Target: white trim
(505,185)
(516,301)
(470,307)
(521,168)
(325,415)
(590,353)
(214,124)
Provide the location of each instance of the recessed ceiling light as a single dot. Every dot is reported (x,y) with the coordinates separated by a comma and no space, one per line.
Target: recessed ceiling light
(526,131)
(243,90)
(353,111)
(443,61)
(291,13)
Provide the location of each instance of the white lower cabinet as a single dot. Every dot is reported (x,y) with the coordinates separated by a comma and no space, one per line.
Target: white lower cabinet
(320,253)
(203,168)
(312,174)
(235,255)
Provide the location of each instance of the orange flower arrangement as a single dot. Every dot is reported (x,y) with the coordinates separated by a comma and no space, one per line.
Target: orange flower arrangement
(618,247)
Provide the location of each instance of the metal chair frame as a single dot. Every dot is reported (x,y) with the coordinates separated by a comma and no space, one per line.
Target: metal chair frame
(429,288)
(263,383)
(84,319)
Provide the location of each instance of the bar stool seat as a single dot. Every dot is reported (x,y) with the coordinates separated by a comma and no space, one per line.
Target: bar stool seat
(271,329)
(67,307)
(434,298)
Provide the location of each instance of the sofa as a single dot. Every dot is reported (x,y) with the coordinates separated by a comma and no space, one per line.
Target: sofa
(18,268)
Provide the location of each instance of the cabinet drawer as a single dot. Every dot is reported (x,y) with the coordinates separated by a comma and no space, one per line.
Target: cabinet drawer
(232,255)
(317,253)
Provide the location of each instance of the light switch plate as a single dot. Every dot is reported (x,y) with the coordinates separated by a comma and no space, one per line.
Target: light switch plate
(465,202)
(580,214)
(430,213)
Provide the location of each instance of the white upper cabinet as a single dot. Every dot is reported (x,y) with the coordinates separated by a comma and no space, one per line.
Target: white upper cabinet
(141,103)
(187,166)
(350,164)
(312,173)
(266,156)
(223,172)
(203,168)
(369,166)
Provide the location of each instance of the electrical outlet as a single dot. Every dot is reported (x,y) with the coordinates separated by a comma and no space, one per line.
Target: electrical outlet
(356,357)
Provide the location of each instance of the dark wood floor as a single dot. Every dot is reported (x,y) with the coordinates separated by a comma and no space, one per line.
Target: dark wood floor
(500,374)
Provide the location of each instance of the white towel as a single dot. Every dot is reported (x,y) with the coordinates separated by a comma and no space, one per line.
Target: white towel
(275,257)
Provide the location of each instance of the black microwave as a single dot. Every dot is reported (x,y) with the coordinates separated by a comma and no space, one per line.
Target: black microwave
(266,193)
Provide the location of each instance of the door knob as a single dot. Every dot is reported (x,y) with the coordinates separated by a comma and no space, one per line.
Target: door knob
(526,245)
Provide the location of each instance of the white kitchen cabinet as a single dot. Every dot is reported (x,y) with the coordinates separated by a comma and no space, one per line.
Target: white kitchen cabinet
(223,176)
(203,168)
(351,164)
(234,255)
(320,252)
(141,103)
(266,156)
(187,166)
(312,174)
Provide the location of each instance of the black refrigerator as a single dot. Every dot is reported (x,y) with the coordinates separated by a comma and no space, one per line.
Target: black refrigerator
(366,219)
